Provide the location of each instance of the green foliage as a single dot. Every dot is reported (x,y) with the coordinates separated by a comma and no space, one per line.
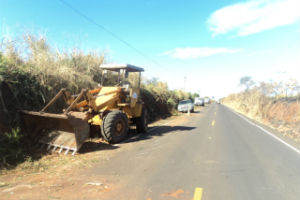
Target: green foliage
(172,102)
(53,69)
(194,95)
(35,72)
(14,137)
(25,87)
(11,148)
(160,100)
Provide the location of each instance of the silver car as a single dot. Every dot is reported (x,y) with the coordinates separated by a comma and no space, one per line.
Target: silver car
(199,101)
(206,100)
(185,106)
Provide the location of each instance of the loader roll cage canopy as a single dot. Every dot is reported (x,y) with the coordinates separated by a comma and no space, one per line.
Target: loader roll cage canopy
(121,74)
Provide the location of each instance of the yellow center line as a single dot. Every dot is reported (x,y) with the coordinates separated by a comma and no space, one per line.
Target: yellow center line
(213,123)
(198,193)
(215,113)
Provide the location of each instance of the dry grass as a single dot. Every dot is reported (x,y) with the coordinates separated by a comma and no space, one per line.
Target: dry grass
(34,72)
(283,114)
(72,69)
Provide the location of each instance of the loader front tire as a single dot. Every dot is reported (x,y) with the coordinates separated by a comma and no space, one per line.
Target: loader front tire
(114,126)
(142,122)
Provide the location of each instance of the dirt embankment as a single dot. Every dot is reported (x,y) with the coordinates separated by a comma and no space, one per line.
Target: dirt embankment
(282,115)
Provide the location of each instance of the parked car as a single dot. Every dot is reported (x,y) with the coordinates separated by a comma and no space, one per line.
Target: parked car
(199,101)
(206,100)
(186,105)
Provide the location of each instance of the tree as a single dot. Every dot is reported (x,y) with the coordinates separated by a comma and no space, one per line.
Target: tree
(292,86)
(267,89)
(153,81)
(247,82)
(193,96)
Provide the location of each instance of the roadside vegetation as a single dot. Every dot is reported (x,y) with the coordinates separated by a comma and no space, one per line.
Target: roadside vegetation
(32,72)
(274,104)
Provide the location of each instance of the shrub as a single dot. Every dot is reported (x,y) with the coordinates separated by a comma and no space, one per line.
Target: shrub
(11,148)
(34,72)
(281,113)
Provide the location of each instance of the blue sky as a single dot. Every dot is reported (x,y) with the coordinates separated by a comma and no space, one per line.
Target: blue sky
(212,43)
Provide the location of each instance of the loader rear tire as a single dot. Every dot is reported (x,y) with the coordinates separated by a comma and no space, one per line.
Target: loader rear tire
(114,126)
(142,122)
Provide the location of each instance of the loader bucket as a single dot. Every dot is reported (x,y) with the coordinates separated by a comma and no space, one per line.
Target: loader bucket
(59,131)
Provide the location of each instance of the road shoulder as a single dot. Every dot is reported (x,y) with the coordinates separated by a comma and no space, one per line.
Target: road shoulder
(268,130)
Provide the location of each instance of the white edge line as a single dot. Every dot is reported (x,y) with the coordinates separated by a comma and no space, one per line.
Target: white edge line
(268,132)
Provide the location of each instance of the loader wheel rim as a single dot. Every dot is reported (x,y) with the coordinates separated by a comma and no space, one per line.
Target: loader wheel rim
(120,125)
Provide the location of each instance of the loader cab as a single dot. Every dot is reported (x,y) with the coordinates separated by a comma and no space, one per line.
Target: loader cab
(125,76)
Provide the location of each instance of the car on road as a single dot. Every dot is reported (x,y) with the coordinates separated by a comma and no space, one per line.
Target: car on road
(199,101)
(186,106)
(206,100)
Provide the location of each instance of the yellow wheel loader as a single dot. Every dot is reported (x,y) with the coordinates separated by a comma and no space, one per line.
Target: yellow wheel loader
(111,107)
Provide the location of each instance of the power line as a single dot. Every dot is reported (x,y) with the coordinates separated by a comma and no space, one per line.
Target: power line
(108,31)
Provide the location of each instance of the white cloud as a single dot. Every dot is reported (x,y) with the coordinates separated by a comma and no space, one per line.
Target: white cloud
(190,53)
(254,16)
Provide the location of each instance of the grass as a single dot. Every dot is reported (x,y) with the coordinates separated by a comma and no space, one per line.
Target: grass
(281,113)
(11,148)
(32,72)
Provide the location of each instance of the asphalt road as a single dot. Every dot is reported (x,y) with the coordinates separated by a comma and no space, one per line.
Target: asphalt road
(212,154)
